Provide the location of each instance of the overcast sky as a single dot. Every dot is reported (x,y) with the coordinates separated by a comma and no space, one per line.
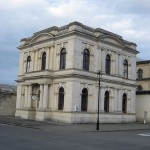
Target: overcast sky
(21,18)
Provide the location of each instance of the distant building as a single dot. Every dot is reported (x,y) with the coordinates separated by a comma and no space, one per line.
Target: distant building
(58,75)
(7,100)
(143,90)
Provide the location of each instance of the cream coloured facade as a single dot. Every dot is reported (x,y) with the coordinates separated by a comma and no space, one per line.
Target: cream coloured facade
(143,91)
(143,74)
(57,77)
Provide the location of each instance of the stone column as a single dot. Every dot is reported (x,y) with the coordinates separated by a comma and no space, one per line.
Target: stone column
(102,99)
(120,101)
(26,96)
(115,99)
(24,66)
(97,59)
(39,60)
(41,96)
(47,58)
(45,97)
(120,67)
(129,102)
(117,64)
(129,70)
(29,96)
(113,65)
(51,59)
(32,60)
(36,60)
(103,56)
(18,102)
(133,68)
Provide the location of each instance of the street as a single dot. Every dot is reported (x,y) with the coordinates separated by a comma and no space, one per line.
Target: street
(15,138)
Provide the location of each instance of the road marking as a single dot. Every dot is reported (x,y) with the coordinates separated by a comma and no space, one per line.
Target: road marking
(146,134)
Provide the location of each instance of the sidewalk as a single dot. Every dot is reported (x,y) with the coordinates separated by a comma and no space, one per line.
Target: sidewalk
(61,127)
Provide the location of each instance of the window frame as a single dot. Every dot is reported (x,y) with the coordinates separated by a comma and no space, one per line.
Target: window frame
(43,61)
(125,69)
(106,101)
(86,59)
(84,99)
(62,59)
(108,64)
(61,98)
(28,64)
(140,73)
(124,103)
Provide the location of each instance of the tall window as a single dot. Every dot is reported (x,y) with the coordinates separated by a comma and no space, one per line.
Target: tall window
(86,59)
(28,65)
(107,64)
(140,73)
(125,69)
(43,66)
(61,99)
(84,100)
(63,58)
(106,102)
(124,103)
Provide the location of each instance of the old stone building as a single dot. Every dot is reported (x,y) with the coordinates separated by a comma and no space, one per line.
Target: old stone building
(58,75)
(143,91)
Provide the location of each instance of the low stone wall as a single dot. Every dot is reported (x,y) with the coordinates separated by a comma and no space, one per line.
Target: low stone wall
(7,104)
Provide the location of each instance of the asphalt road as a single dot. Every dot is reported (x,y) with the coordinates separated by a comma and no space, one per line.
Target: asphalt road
(22,138)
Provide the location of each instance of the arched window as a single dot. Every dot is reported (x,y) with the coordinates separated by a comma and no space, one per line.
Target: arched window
(63,58)
(43,65)
(106,102)
(28,65)
(140,73)
(125,69)
(107,64)
(86,59)
(124,103)
(139,88)
(61,99)
(84,100)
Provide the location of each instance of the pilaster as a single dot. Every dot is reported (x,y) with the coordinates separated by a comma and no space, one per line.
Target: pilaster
(47,57)
(26,96)
(120,101)
(29,96)
(102,99)
(45,97)
(41,96)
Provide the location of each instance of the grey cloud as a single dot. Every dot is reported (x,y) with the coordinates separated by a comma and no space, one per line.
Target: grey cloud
(22,21)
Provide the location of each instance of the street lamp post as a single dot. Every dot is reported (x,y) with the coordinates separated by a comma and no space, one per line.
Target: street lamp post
(99,75)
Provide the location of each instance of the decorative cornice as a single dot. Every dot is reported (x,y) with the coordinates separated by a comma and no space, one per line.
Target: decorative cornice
(75,27)
(143,62)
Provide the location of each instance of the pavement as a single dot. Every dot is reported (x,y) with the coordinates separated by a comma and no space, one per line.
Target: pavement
(62,127)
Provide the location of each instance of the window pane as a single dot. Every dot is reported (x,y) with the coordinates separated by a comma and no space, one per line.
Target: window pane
(124,103)
(106,102)
(43,61)
(63,59)
(140,73)
(107,64)
(61,99)
(84,100)
(125,66)
(86,59)
(28,64)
